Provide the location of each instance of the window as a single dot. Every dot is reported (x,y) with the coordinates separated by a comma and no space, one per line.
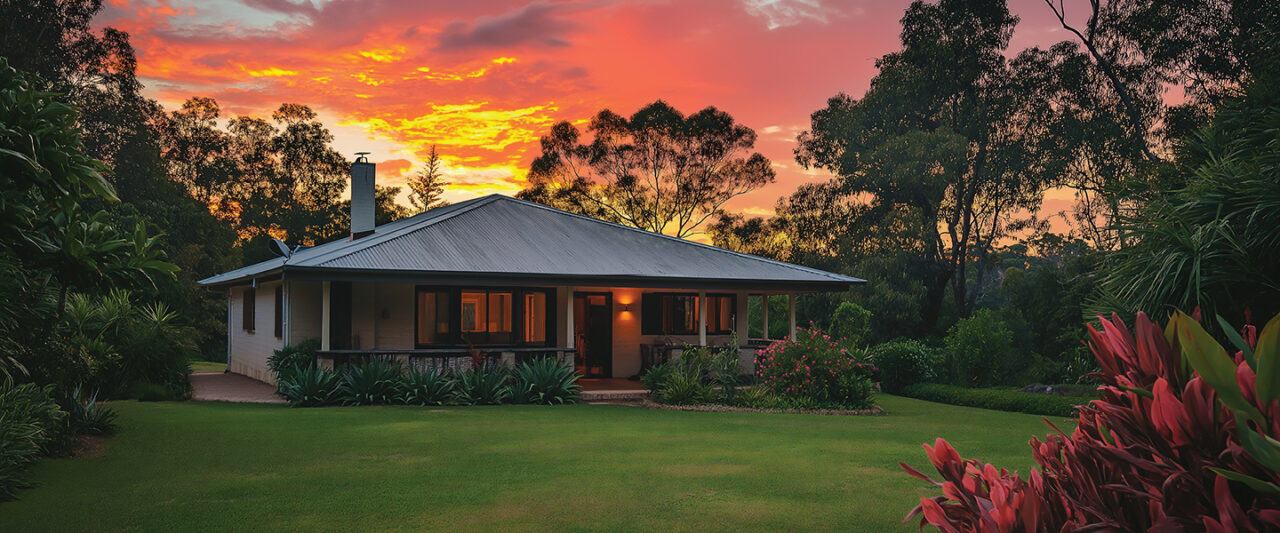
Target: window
(279,310)
(248,313)
(535,317)
(433,316)
(484,317)
(677,313)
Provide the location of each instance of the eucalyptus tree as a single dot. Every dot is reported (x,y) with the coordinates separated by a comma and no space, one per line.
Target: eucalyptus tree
(658,170)
(942,144)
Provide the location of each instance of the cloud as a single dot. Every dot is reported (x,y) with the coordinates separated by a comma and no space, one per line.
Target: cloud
(782,13)
(533,24)
(284,7)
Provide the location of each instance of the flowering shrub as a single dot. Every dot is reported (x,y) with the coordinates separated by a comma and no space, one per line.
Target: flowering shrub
(813,368)
(1182,439)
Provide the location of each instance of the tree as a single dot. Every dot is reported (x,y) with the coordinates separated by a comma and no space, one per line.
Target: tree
(426,188)
(55,239)
(940,142)
(657,170)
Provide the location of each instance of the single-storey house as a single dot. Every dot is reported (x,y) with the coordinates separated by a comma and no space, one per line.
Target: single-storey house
(503,277)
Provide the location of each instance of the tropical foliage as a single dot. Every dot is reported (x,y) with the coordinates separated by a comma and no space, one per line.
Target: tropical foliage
(815,368)
(1183,436)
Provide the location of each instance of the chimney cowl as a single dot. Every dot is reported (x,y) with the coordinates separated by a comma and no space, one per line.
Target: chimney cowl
(362,196)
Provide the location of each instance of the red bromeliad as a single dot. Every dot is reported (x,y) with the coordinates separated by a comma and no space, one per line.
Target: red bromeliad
(1182,438)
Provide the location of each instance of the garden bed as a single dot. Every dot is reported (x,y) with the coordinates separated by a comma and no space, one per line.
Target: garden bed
(875,410)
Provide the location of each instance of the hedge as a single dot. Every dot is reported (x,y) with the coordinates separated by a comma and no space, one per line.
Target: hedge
(1000,400)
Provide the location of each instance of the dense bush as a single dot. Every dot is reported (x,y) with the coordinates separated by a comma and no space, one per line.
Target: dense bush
(903,362)
(30,424)
(851,325)
(544,381)
(1183,438)
(427,387)
(686,385)
(997,399)
(813,367)
(86,417)
(299,355)
(654,377)
(311,386)
(979,351)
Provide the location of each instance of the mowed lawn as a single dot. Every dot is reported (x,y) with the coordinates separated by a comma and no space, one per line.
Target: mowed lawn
(236,467)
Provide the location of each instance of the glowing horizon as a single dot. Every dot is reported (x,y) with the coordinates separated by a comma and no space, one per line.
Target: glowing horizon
(484,80)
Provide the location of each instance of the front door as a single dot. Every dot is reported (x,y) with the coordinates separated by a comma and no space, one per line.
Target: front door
(593,333)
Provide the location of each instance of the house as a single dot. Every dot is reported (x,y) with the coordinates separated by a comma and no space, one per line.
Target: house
(508,278)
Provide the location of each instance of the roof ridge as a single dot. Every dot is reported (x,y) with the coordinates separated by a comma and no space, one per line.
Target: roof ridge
(408,229)
(676,239)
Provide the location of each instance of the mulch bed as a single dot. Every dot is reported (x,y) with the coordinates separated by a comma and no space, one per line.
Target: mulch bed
(718,408)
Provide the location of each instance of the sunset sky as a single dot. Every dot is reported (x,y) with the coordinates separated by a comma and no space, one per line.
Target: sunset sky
(483,79)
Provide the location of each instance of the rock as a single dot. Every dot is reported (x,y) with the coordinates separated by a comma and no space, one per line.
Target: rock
(1040,388)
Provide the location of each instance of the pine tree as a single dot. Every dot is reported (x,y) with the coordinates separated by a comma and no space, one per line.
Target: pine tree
(427,187)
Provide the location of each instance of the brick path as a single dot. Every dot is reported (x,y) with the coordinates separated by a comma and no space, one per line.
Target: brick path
(227,387)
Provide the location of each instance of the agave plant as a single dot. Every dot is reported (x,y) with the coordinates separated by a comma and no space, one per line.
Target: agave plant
(481,386)
(427,387)
(373,382)
(544,381)
(1183,437)
(311,386)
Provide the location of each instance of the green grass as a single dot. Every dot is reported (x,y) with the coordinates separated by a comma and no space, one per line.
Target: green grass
(229,467)
(206,366)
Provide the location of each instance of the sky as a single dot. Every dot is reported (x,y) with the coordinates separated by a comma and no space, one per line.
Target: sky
(484,79)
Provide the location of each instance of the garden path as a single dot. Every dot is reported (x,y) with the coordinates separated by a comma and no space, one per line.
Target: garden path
(228,387)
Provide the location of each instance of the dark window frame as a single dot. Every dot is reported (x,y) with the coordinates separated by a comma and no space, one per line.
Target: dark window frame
(248,308)
(454,301)
(651,302)
(279,311)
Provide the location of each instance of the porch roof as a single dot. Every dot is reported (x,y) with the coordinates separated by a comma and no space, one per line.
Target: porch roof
(500,240)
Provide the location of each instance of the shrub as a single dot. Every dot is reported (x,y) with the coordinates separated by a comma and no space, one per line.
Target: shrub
(299,355)
(30,424)
(1183,437)
(311,386)
(544,381)
(998,399)
(482,386)
(903,362)
(851,325)
(812,367)
(726,366)
(144,391)
(655,376)
(86,417)
(760,398)
(427,387)
(685,386)
(979,350)
(375,381)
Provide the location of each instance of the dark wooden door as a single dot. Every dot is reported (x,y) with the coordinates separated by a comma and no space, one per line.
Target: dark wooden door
(593,333)
(340,315)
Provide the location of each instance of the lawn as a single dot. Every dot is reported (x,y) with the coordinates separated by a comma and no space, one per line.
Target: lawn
(227,467)
(206,366)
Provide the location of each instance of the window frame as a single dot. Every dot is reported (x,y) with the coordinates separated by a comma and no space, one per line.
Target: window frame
(248,308)
(454,300)
(648,323)
(279,311)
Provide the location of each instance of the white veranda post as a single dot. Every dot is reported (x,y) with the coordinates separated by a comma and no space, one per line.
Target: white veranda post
(702,318)
(791,310)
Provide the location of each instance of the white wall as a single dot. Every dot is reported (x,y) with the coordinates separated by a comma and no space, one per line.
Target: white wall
(249,350)
(304,311)
(394,313)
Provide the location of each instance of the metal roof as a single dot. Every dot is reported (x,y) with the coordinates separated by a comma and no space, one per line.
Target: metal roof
(499,239)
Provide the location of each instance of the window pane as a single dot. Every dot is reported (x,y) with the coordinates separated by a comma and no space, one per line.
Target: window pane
(535,317)
(500,312)
(428,305)
(474,316)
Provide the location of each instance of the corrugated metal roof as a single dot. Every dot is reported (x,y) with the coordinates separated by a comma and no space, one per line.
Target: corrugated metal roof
(500,235)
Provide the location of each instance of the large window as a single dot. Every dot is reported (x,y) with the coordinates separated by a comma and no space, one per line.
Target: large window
(677,313)
(455,317)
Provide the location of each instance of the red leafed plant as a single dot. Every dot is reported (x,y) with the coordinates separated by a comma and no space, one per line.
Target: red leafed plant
(1183,438)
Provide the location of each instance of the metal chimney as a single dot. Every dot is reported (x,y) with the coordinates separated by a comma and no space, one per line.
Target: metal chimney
(362,191)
